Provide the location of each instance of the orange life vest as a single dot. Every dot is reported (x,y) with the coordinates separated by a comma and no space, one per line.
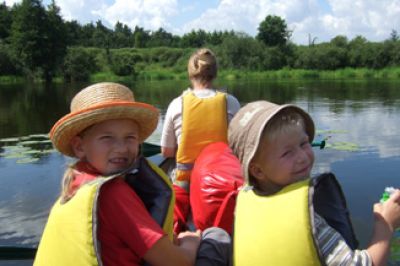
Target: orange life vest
(204,120)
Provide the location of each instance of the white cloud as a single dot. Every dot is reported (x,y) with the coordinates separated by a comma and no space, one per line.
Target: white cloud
(11,2)
(82,11)
(323,19)
(371,19)
(149,14)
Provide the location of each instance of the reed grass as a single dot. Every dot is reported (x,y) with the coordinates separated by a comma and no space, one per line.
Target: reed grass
(345,73)
(159,73)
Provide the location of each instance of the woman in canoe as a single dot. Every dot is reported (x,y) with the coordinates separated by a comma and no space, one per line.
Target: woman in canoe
(198,117)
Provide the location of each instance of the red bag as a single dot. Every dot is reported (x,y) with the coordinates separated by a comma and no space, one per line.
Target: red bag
(214,184)
(181,209)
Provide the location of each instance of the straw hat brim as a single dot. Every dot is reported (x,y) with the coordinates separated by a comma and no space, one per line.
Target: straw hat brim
(145,115)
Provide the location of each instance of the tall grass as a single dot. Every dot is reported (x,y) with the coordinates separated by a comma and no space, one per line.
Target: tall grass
(156,72)
(346,73)
(11,79)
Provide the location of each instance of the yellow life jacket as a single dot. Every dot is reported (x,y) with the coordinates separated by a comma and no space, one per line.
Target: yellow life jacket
(204,120)
(70,235)
(278,229)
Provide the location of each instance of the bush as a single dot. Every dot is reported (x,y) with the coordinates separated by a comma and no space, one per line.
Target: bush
(7,65)
(78,65)
(123,63)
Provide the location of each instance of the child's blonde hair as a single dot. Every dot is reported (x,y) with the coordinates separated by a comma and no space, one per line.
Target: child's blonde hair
(66,183)
(283,122)
(202,66)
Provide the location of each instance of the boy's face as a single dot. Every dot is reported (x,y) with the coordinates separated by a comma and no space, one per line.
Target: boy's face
(109,146)
(286,159)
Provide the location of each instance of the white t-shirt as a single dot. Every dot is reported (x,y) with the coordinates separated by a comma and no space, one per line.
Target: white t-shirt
(172,128)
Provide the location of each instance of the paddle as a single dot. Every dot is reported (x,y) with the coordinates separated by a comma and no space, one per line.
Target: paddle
(149,149)
(17,253)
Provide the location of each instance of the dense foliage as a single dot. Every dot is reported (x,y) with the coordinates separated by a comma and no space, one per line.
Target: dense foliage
(36,42)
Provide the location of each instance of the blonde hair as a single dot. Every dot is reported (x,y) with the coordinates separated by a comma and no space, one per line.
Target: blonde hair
(283,122)
(68,176)
(202,66)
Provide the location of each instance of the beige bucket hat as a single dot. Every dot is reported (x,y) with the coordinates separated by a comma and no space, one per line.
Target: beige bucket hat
(97,103)
(247,125)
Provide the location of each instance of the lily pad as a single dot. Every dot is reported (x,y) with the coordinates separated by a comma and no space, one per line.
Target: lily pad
(9,140)
(27,160)
(39,136)
(331,131)
(343,146)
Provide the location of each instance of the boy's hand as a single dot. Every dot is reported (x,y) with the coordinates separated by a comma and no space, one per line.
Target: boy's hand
(390,210)
(189,242)
(189,238)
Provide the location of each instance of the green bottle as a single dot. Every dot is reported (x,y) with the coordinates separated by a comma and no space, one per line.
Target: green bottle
(395,243)
(386,194)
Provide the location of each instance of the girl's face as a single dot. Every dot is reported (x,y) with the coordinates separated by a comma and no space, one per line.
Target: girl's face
(109,146)
(286,159)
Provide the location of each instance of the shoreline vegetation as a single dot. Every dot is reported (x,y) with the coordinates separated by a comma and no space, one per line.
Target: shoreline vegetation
(389,73)
(38,45)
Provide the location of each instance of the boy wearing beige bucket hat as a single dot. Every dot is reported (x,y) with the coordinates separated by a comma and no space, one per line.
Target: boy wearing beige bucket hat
(115,207)
(294,219)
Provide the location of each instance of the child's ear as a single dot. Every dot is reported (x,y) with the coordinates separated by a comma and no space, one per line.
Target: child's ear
(77,147)
(255,170)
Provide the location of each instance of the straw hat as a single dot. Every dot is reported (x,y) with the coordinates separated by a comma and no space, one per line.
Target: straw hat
(247,125)
(98,103)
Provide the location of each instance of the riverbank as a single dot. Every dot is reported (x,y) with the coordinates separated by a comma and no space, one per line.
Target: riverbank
(392,73)
(282,74)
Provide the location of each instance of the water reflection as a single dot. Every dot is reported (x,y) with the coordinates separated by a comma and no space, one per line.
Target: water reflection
(360,118)
(28,186)
(26,149)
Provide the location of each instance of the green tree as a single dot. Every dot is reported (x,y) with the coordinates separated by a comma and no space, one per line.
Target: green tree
(357,53)
(102,36)
(38,38)
(74,33)
(394,36)
(55,31)
(160,38)
(7,64)
(5,21)
(273,31)
(122,36)
(140,37)
(87,35)
(339,41)
(123,63)
(28,35)
(241,52)
(194,39)
(78,64)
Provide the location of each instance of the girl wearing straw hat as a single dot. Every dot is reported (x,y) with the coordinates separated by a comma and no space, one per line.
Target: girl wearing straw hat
(115,207)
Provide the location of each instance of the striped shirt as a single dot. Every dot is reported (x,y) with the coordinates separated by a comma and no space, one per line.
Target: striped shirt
(334,249)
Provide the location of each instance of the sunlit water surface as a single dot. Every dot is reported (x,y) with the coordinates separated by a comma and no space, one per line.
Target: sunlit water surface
(359,119)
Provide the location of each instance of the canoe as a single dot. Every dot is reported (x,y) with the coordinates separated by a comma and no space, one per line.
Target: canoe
(147,150)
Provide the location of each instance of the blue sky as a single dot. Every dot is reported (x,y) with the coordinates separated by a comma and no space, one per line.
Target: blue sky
(320,19)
